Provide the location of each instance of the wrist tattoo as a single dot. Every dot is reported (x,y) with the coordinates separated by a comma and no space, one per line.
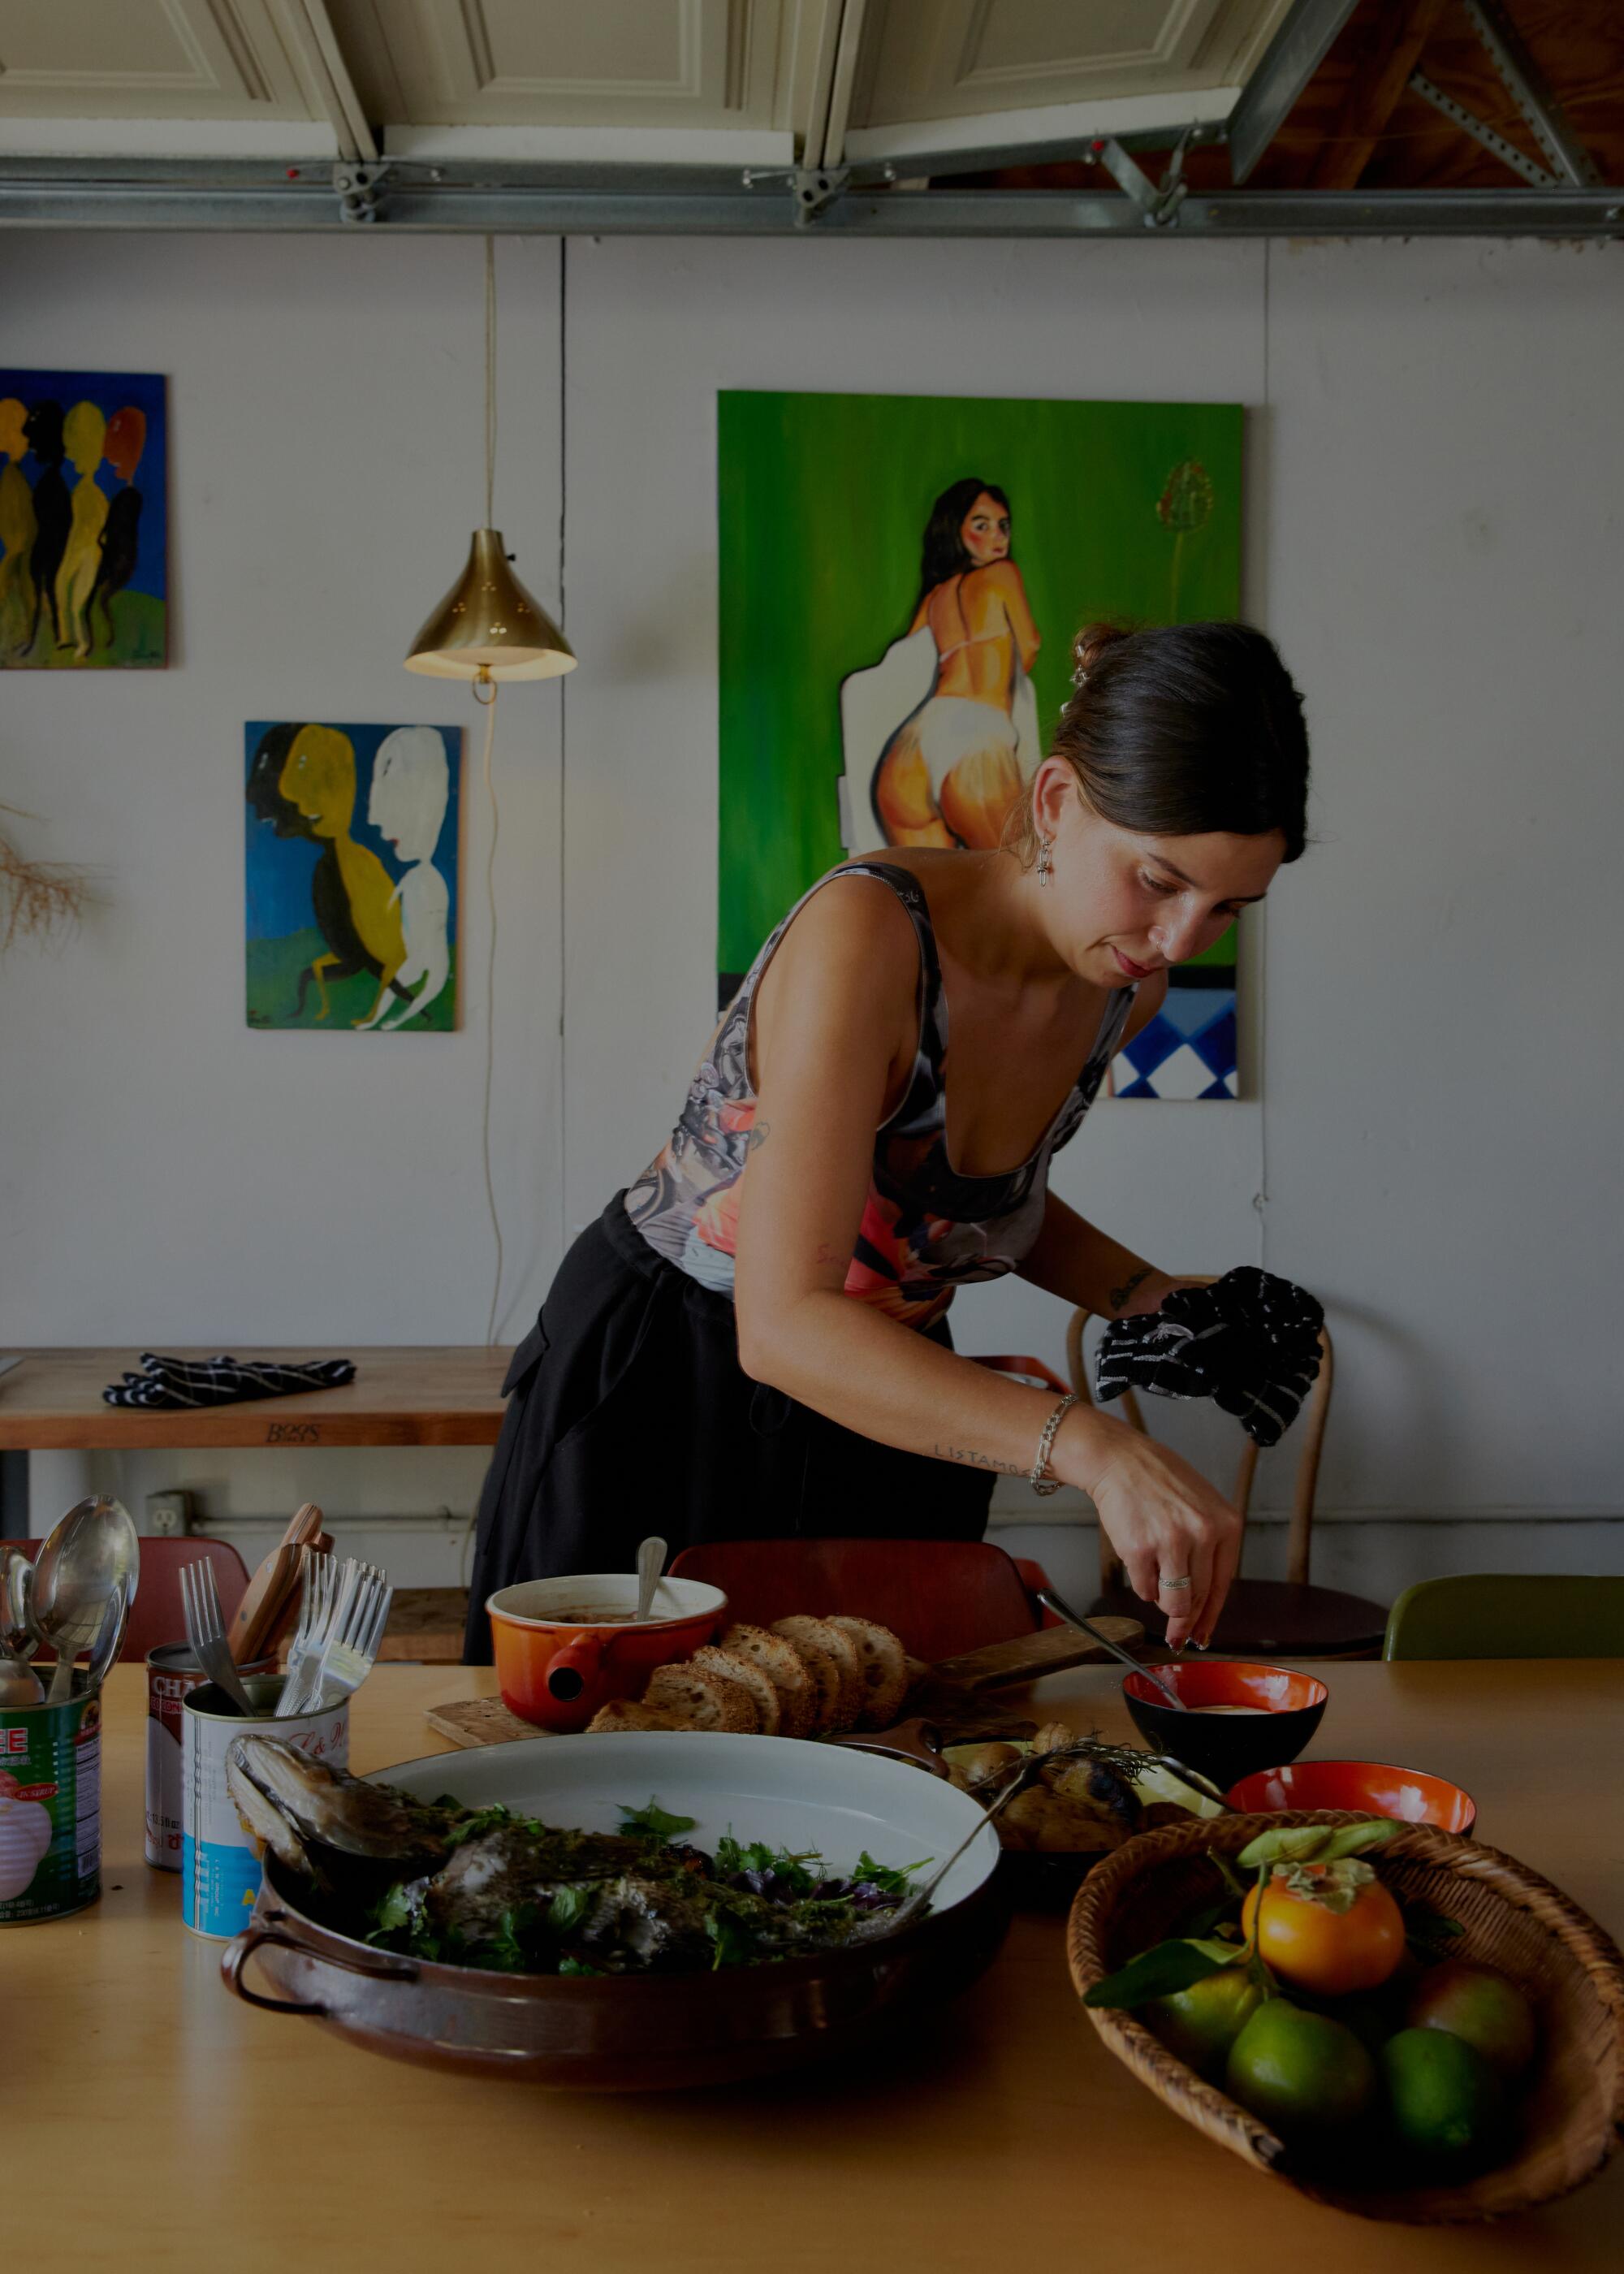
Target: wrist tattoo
(1119,1295)
(973,1460)
(759,1133)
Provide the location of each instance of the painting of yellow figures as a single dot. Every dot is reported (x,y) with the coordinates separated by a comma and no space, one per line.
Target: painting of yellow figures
(352,875)
(83,475)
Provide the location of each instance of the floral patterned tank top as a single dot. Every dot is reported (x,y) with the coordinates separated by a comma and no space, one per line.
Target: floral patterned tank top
(925,1228)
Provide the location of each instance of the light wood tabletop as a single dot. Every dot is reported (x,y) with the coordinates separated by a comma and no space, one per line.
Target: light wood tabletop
(447,1395)
(150,2120)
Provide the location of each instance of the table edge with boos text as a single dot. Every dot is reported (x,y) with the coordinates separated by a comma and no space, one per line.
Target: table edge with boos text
(447,1394)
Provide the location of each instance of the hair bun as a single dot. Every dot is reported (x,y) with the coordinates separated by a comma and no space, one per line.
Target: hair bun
(1090,643)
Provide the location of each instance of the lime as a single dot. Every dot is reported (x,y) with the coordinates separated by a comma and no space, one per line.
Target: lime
(1445,2100)
(1200,2024)
(1479,2005)
(1303,2073)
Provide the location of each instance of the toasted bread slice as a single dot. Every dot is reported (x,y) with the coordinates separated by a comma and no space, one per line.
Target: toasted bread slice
(786,1670)
(734,1665)
(700,1701)
(626,1713)
(884,1666)
(820,1634)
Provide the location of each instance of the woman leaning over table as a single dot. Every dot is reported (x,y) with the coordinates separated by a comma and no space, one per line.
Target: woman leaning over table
(753,1339)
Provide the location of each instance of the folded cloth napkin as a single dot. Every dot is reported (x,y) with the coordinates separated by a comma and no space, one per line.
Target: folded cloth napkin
(173,1382)
(1250,1341)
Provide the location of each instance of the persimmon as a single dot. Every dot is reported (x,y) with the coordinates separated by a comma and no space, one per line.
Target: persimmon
(1327,1928)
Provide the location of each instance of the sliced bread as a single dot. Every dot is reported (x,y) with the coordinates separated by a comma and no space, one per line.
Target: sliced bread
(700,1701)
(735,1665)
(787,1671)
(884,1668)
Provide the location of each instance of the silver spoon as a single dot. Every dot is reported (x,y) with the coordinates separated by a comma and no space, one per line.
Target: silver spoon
(1051,1601)
(650,1564)
(93,1551)
(19,1684)
(104,1650)
(25,1625)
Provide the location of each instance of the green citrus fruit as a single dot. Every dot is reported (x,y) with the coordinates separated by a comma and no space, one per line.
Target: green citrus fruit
(1444,2098)
(1200,2024)
(1303,2073)
(1481,2006)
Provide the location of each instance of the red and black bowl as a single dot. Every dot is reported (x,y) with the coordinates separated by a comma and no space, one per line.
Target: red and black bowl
(1284,1708)
(1371,1788)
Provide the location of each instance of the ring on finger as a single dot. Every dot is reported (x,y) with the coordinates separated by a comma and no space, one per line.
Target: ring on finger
(1173,1586)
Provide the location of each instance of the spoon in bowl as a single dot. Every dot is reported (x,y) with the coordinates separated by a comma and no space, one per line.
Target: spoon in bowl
(1052,1602)
(650,1564)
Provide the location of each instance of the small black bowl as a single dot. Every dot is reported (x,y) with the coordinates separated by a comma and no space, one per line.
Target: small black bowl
(1228,1746)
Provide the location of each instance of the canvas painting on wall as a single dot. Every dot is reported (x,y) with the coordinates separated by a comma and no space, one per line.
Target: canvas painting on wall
(353,839)
(863,705)
(84,581)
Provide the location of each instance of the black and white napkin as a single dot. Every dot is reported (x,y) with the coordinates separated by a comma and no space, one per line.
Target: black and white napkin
(1250,1341)
(168,1382)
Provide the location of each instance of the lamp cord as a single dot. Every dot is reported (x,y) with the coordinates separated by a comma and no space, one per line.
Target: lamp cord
(490,1010)
(490,381)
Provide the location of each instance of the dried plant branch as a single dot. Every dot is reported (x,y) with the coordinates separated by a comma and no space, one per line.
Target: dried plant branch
(39,900)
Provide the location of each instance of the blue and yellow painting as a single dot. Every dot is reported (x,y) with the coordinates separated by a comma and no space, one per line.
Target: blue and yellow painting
(352,875)
(84,471)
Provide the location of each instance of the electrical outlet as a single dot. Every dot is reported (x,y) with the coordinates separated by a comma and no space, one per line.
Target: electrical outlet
(168,1513)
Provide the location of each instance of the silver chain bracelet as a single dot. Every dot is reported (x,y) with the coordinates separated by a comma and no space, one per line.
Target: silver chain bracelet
(1046,1446)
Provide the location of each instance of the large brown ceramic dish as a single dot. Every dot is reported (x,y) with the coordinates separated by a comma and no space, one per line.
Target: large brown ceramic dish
(644,2033)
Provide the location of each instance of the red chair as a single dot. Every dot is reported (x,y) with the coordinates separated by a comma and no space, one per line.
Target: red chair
(155,1615)
(939,1596)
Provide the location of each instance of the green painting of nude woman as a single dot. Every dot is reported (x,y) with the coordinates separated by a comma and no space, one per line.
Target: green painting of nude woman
(901,580)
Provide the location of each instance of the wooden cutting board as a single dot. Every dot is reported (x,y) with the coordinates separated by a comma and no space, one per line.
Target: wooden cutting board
(952,1690)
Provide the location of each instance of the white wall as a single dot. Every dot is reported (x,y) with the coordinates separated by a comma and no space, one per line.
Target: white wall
(1432,515)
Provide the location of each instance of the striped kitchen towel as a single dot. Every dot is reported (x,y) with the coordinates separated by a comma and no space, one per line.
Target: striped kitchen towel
(1250,1341)
(169,1382)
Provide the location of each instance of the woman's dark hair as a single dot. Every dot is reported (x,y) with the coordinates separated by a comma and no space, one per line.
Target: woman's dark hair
(943,554)
(1187,729)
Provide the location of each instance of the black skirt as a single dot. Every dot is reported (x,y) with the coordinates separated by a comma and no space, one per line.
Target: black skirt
(628,1414)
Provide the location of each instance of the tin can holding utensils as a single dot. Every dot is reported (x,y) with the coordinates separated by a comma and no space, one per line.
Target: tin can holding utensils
(50,1809)
(172,1674)
(220,1866)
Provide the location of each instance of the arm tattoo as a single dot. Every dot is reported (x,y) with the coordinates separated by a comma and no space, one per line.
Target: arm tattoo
(759,1133)
(968,1454)
(1119,1295)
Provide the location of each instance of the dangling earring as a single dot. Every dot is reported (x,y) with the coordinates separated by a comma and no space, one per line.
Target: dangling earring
(1045,866)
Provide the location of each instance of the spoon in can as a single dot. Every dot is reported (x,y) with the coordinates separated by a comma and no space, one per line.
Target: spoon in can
(92,1552)
(19,1684)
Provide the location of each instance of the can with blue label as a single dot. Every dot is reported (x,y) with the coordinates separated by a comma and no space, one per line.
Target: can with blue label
(219,1863)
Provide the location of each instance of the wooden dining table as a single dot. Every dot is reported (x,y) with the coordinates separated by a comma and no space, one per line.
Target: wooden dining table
(149,2120)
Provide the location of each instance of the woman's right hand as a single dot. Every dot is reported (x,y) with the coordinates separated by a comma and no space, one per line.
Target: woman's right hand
(1163,1517)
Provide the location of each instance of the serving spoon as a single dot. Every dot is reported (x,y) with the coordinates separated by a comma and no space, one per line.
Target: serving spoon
(93,1552)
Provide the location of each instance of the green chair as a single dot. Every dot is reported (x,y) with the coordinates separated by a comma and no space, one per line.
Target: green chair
(1508,1615)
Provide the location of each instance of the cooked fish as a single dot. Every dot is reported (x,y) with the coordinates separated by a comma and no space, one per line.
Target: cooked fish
(298,1805)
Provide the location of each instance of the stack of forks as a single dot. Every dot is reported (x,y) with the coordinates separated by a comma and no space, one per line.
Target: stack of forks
(342,1622)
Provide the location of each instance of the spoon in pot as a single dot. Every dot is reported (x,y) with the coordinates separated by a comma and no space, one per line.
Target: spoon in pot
(92,1552)
(650,1564)
(1052,1602)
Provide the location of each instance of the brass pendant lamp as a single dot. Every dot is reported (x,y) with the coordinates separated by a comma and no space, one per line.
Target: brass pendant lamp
(488,628)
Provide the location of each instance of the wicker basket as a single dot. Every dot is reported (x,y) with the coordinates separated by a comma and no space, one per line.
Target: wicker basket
(1571,2114)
